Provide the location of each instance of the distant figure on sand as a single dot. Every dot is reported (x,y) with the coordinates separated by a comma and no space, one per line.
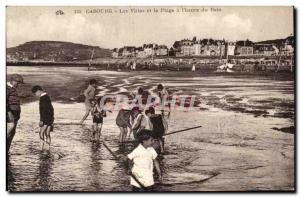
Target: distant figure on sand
(89,94)
(46,113)
(194,68)
(134,66)
(128,65)
(13,108)
(98,114)
(131,66)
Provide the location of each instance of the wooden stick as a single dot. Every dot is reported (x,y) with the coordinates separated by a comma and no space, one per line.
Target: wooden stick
(182,130)
(67,123)
(187,129)
(84,118)
(116,157)
(110,151)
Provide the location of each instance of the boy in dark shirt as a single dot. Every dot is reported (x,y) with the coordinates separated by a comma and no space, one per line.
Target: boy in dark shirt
(98,114)
(46,113)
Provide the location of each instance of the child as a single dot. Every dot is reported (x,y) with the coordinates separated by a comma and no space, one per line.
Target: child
(164,96)
(98,115)
(140,97)
(123,122)
(143,157)
(135,113)
(142,121)
(46,113)
(160,127)
(89,95)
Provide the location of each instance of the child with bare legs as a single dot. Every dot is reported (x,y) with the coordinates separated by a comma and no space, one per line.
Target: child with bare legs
(98,114)
(46,114)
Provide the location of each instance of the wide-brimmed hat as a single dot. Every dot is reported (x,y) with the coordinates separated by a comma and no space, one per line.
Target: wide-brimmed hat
(16,77)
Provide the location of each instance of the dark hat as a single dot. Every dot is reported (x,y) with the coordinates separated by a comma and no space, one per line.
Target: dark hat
(93,81)
(150,110)
(17,78)
(144,134)
(160,87)
(36,88)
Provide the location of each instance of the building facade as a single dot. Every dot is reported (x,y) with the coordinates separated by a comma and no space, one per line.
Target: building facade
(244,48)
(230,48)
(265,49)
(161,50)
(197,48)
(209,47)
(187,48)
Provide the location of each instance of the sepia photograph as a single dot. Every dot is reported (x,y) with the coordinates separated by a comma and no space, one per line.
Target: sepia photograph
(150,99)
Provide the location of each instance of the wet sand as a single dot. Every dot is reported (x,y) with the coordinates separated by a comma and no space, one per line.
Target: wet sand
(237,140)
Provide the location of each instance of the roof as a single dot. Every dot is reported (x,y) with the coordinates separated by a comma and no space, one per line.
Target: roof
(244,43)
(290,40)
(264,47)
(162,47)
(129,48)
(149,45)
(139,48)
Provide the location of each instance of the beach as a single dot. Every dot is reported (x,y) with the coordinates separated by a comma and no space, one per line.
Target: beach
(246,138)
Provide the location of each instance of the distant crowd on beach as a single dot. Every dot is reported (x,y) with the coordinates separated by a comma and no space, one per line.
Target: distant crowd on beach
(197,65)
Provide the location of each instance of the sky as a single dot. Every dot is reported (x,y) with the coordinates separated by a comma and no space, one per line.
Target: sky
(121,28)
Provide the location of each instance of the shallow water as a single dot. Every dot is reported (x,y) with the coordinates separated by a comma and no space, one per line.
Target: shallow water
(236,140)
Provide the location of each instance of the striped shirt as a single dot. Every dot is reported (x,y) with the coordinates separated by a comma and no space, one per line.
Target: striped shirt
(12,99)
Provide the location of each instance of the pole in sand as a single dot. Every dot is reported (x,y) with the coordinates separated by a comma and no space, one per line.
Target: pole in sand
(90,62)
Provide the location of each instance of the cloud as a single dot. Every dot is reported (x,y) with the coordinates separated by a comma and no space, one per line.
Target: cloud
(235,26)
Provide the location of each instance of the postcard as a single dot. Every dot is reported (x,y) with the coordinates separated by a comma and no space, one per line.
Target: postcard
(150,98)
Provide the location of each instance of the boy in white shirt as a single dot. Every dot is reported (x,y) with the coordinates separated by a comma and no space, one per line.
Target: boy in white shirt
(143,157)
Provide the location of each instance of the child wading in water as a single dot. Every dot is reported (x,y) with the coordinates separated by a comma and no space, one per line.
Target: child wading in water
(46,113)
(164,97)
(98,113)
(89,95)
(123,121)
(143,157)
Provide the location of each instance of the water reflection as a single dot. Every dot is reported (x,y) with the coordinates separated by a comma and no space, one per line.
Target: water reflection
(95,168)
(10,175)
(43,177)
